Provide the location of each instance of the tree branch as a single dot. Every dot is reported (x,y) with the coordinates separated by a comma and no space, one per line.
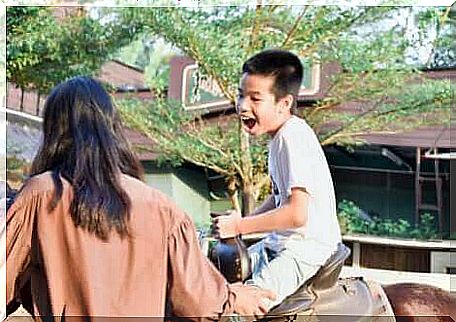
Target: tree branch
(375,114)
(295,27)
(254,33)
(193,51)
(330,32)
(323,107)
(195,54)
(264,179)
(191,159)
(220,151)
(355,119)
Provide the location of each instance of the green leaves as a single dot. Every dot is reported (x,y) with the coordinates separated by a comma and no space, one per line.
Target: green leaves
(352,221)
(43,50)
(181,136)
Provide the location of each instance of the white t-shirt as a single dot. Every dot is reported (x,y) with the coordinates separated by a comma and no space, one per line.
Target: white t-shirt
(296,159)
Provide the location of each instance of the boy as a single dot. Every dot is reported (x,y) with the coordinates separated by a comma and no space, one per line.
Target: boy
(300,215)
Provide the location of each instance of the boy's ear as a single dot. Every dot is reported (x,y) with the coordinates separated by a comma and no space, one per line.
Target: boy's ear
(287,101)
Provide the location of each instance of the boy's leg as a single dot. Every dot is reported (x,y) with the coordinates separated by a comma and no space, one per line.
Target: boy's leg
(258,257)
(283,275)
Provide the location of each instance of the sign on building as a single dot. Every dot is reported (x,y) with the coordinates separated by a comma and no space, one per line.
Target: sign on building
(197,91)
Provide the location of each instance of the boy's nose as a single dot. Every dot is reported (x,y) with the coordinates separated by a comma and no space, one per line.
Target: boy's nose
(241,107)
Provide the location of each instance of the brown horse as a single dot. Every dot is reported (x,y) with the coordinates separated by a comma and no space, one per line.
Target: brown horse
(413,302)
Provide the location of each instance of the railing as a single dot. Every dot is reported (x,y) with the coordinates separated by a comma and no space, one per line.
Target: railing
(30,102)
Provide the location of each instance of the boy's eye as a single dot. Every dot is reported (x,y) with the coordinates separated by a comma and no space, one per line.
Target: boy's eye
(256,99)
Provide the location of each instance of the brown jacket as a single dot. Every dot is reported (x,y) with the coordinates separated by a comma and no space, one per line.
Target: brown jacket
(74,273)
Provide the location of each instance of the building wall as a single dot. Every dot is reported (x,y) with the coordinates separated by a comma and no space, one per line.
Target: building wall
(185,188)
(381,194)
(160,181)
(388,195)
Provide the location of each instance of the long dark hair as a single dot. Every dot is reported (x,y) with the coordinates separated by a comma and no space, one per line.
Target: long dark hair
(83,142)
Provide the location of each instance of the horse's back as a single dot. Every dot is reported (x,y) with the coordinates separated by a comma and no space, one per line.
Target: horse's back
(411,300)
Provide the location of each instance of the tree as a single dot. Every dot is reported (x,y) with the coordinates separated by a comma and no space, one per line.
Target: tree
(375,74)
(151,55)
(46,46)
(444,51)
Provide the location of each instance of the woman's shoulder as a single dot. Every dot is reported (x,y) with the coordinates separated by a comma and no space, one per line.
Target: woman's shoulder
(37,186)
(140,188)
(135,185)
(39,183)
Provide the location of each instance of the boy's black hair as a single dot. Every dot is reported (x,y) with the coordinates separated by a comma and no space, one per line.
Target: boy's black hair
(283,65)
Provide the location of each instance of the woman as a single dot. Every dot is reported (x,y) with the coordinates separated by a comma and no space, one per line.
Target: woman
(93,239)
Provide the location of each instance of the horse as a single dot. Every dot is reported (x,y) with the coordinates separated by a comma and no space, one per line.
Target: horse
(408,302)
(414,302)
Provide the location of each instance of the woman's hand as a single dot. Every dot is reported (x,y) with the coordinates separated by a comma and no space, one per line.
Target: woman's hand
(251,300)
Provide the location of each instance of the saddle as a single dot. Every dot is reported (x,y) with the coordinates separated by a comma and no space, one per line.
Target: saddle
(325,294)
(231,257)
(325,279)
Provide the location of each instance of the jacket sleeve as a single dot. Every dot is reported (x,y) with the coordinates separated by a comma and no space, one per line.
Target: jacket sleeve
(196,289)
(19,229)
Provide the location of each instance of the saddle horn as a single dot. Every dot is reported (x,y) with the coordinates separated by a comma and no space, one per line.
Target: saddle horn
(231,258)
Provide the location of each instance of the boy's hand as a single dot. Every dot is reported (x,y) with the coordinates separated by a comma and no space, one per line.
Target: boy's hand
(226,225)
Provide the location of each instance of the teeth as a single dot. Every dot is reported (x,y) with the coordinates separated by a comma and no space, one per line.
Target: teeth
(245,118)
(248,121)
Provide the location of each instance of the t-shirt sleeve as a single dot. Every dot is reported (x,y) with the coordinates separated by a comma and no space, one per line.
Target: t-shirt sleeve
(297,164)
(19,229)
(195,288)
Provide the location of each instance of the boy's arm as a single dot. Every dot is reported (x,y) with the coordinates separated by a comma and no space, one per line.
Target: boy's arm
(291,215)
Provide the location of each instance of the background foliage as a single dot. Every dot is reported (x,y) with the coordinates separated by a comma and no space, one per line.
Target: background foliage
(353,221)
(46,46)
(376,73)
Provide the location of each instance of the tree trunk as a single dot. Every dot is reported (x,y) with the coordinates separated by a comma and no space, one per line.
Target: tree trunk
(233,194)
(248,198)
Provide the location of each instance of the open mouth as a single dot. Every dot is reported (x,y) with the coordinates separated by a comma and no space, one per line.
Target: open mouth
(248,121)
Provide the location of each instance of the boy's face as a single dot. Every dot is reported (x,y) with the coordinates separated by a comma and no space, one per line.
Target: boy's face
(257,106)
